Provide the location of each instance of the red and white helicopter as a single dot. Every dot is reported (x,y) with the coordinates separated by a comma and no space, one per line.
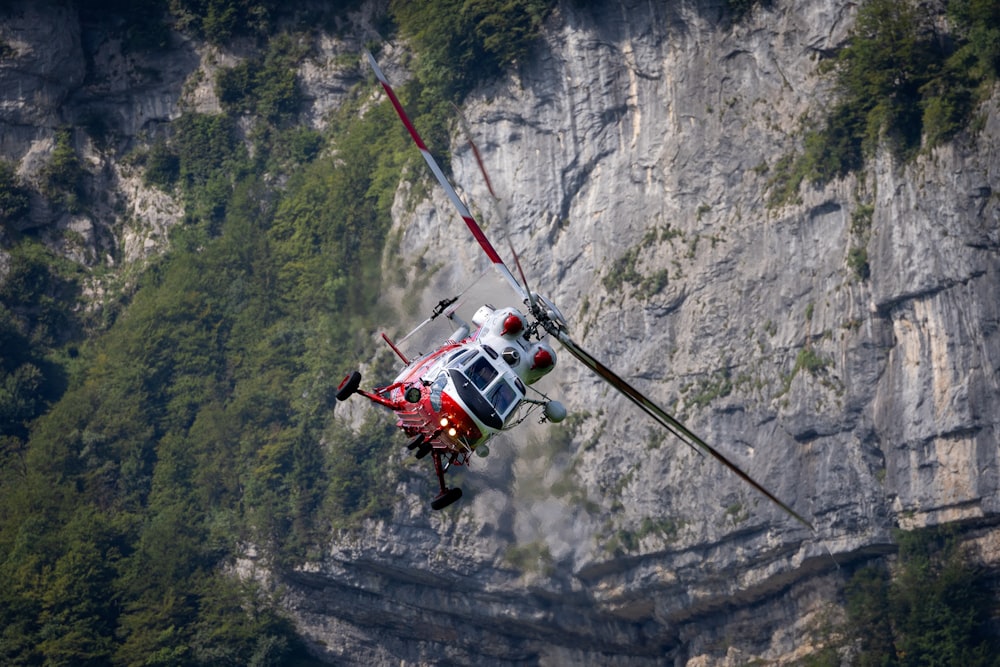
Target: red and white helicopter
(452,401)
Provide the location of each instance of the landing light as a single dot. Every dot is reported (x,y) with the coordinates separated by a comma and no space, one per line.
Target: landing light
(452,432)
(444,422)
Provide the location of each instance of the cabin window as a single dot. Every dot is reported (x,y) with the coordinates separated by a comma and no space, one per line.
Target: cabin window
(436,389)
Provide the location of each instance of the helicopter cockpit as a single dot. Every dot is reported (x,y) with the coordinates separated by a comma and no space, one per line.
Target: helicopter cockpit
(489,390)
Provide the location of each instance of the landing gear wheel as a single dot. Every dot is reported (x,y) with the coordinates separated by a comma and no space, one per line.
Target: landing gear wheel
(446,498)
(348,386)
(423,449)
(415,441)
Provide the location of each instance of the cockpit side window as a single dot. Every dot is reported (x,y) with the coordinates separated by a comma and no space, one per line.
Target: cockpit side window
(458,358)
(436,389)
(502,396)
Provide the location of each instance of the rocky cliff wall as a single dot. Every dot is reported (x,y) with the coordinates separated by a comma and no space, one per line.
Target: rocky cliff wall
(631,154)
(60,70)
(631,157)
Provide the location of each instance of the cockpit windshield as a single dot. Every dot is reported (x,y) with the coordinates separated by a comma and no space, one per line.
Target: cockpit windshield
(460,357)
(502,396)
(481,372)
(484,390)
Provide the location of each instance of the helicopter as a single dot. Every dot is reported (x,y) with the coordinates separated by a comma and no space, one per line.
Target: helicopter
(452,401)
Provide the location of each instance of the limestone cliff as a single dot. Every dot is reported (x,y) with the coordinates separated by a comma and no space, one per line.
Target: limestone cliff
(635,143)
(630,155)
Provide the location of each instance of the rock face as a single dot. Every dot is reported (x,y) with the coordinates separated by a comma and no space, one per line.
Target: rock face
(58,73)
(631,156)
(60,70)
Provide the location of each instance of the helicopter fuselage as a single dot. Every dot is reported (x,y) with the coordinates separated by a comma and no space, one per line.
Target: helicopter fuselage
(454,399)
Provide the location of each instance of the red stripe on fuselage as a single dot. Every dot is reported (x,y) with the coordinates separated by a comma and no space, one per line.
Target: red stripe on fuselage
(460,420)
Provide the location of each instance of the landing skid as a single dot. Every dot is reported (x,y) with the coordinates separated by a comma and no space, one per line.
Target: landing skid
(447,496)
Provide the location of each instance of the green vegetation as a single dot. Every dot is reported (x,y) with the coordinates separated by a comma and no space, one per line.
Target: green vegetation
(162,166)
(264,86)
(701,393)
(857,261)
(902,83)
(459,44)
(810,360)
(933,608)
(463,42)
(13,195)
(141,449)
(219,21)
(625,541)
(143,26)
(623,271)
(857,255)
(62,179)
(736,513)
(533,557)
(6,50)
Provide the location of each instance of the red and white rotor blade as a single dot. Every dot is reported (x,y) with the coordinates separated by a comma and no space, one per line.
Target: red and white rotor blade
(460,206)
(475,151)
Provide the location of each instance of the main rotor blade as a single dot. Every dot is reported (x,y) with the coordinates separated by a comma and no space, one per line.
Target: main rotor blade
(447,309)
(524,280)
(475,150)
(463,210)
(668,422)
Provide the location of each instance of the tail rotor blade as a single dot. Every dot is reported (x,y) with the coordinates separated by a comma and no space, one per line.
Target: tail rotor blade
(668,422)
(446,307)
